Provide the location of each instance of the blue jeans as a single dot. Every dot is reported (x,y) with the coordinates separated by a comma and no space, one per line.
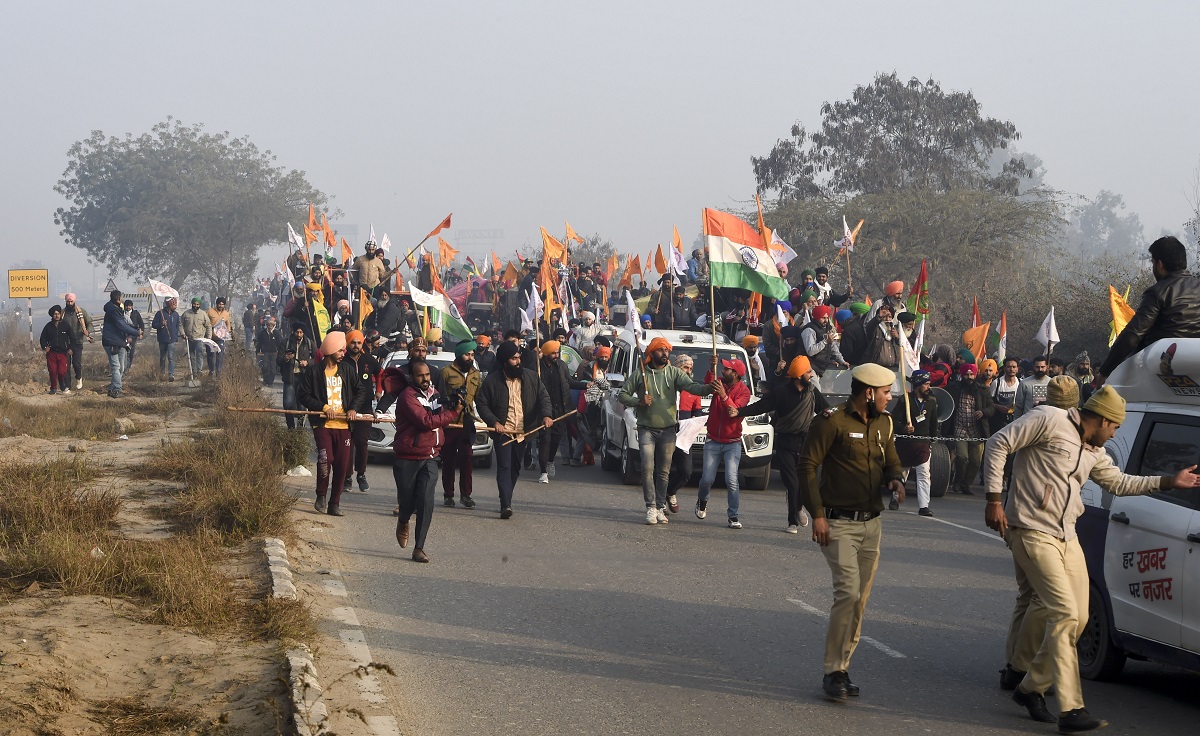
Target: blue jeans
(116,361)
(216,359)
(714,453)
(657,446)
(289,402)
(196,357)
(166,358)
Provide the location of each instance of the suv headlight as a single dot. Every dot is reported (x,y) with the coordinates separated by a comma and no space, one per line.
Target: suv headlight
(481,438)
(756,441)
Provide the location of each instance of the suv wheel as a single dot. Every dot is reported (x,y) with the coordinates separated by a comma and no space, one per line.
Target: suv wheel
(629,470)
(608,460)
(1099,656)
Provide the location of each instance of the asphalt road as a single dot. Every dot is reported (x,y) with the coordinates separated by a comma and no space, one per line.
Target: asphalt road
(575,616)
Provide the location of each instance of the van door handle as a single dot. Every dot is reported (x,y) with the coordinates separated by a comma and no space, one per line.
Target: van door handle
(1120,517)
(1194,538)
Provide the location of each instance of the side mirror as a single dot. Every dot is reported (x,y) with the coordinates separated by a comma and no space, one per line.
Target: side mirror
(616,380)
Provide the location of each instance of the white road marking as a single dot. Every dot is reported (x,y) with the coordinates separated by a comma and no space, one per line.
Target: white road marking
(873,642)
(334,587)
(356,646)
(989,534)
(345,615)
(383,725)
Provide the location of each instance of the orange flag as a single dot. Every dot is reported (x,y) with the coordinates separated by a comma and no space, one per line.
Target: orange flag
(495,264)
(445,224)
(436,281)
(310,237)
(660,263)
(676,242)
(552,249)
(762,226)
(975,340)
(347,252)
(976,320)
(632,266)
(312,218)
(510,274)
(364,307)
(614,261)
(572,235)
(330,238)
(446,254)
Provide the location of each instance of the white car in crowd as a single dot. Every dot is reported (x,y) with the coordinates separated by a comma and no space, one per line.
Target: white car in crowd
(379,443)
(1143,552)
(619,448)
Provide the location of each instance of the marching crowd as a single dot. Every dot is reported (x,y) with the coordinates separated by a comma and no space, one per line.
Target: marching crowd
(1008,419)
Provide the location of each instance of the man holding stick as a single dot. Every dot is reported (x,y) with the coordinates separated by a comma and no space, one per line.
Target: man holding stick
(332,387)
(513,402)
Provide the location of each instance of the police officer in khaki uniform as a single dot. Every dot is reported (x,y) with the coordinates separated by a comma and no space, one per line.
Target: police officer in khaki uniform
(853,445)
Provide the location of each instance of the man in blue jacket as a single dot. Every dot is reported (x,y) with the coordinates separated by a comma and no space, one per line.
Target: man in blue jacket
(166,325)
(116,336)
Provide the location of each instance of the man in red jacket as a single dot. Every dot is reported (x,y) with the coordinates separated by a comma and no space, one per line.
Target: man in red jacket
(421,420)
(724,437)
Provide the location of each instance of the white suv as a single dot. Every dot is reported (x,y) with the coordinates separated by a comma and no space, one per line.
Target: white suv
(1143,552)
(619,449)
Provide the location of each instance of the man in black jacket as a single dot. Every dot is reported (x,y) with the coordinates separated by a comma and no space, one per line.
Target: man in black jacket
(1169,308)
(969,426)
(556,377)
(368,369)
(386,318)
(295,355)
(56,341)
(334,388)
(513,402)
(266,348)
(918,417)
(795,403)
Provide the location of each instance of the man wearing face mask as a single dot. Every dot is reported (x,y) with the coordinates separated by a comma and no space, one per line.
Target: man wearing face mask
(589,379)
(463,379)
(821,342)
(653,391)
(917,417)
(513,402)
(794,404)
(1032,390)
(853,446)
(970,423)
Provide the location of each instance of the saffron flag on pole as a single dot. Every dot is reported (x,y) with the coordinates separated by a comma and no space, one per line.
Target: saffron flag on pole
(310,237)
(510,275)
(571,234)
(446,254)
(738,258)
(660,262)
(1121,313)
(614,262)
(632,266)
(347,252)
(1048,333)
(444,224)
(364,307)
(496,270)
(442,310)
(330,237)
(975,339)
(312,218)
(975,319)
(551,249)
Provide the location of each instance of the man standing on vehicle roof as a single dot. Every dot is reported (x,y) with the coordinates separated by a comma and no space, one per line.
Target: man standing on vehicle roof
(653,391)
(1060,449)
(854,447)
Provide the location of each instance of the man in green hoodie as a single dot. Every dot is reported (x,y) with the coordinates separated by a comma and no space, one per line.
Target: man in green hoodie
(654,394)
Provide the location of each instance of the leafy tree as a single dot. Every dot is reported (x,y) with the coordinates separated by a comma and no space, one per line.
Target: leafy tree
(1097,226)
(595,249)
(179,202)
(892,135)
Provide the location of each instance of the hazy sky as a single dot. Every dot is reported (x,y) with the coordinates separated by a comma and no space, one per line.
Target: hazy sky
(623,117)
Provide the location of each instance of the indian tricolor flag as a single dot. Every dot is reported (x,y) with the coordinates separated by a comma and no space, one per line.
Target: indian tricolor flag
(738,258)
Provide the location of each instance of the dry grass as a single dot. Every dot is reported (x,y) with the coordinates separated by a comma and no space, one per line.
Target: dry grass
(83,417)
(131,717)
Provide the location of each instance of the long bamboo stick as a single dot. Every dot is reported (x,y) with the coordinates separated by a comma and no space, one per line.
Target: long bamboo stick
(523,437)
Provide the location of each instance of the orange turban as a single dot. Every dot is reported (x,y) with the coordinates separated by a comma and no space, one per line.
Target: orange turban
(550,347)
(896,288)
(799,367)
(483,341)
(353,335)
(657,343)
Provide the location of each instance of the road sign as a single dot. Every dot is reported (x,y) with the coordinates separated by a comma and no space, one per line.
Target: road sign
(62,287)
(111,285)
(28,283)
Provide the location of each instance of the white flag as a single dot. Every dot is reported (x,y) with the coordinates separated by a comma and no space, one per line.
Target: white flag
(632,321)
(372,238)
(385,244)
(162,290)
(1048,333)
(781,252)
(534,311)
(677,267)
(294,238)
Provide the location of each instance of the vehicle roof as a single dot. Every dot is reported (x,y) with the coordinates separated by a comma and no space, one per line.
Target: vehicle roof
(683,337)
(1165,372)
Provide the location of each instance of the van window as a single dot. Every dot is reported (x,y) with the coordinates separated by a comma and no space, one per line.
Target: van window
(1170,448)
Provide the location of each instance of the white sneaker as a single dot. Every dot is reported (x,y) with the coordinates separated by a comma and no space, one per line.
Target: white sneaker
(79,384)
(804,517)
(734,523)
(65,392)
(651,515)
(550,469)
(543,478)
(793,529)
(662,516)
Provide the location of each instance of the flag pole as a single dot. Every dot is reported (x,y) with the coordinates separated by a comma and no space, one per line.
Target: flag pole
(712,298)
(849,280)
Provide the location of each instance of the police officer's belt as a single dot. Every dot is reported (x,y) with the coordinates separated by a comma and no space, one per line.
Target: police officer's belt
(843,514)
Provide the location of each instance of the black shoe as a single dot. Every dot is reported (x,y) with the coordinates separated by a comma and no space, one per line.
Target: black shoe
(924,512)
(320,504)
(851,689)
(346,485)
(1035,704)
(335,510)
(448,502)
(506,513)
(1010,678)
(468,502)
(834,685)
(1075,721)
(363,485)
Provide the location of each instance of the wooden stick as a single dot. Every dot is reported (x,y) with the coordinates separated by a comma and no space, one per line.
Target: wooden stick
(521,437)
(302,412)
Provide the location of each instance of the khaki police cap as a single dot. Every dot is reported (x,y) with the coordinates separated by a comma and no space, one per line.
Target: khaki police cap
(873,375)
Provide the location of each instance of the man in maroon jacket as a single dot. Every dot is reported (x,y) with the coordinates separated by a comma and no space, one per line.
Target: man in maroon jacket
(724,436)
(421,420)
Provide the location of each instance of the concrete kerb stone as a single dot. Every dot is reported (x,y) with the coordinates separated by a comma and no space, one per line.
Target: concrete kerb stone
(282,584)
(308,710)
